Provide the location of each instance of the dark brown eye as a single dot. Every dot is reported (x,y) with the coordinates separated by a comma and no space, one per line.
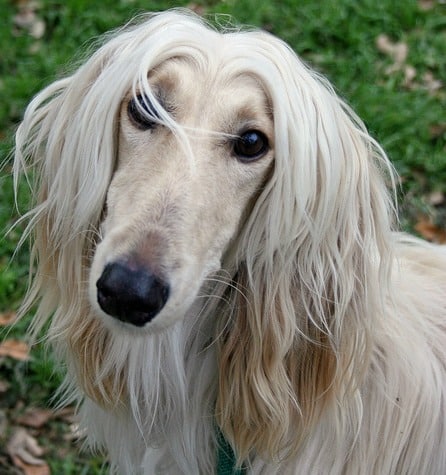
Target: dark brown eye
(142,113)
(251,145)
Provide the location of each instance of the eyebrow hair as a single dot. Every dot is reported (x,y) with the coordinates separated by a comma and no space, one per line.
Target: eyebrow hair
(162,96)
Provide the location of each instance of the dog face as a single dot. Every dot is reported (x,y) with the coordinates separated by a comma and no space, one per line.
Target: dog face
(178,194)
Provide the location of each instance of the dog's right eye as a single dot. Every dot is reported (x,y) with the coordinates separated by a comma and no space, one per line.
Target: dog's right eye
(142,113)
(250,146)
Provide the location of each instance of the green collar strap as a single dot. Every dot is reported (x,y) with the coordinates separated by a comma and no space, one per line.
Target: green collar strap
(226,464)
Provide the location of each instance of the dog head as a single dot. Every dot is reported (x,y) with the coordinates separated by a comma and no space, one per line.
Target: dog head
(195,144)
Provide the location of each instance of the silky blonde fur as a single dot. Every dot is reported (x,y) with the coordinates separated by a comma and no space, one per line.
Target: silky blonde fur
(298,322)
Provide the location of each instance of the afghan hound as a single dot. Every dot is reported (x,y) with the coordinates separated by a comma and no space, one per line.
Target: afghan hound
(215,259)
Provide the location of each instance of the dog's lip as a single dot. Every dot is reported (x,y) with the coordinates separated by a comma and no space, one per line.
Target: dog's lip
(139,319)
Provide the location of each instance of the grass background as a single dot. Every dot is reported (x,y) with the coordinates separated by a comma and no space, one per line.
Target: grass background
(403,104)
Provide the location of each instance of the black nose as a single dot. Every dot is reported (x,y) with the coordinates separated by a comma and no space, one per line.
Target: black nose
(131,294)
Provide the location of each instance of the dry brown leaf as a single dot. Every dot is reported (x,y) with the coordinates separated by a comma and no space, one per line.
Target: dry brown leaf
(66,414)
(25,453)
(7,318)
(431,83)
(437,130)
(396,51)
(430,231)
(426,5)
(35,417)
(410,74)
(15,349)
(27,19)
(4,386)
(196,8)
(436,198)
(30,469)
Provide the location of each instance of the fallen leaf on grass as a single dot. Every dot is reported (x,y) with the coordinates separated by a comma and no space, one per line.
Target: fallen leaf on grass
(35,417)
(4,386)
(196,8)
(27,19)
(410,73)
(436,198)
(25,453)
(7,318)
(431,83)
(66,414)
(426,5)
(430,231)
(437,130)
(396,51)
(16,349)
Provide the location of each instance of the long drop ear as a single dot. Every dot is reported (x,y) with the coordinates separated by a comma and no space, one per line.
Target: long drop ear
(67,146)
(274,377)
(313,268)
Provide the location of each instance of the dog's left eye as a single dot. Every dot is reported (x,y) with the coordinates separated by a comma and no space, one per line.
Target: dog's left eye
(142,112)
(250,145)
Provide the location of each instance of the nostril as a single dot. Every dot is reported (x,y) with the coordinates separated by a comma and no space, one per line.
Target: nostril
(133,295)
